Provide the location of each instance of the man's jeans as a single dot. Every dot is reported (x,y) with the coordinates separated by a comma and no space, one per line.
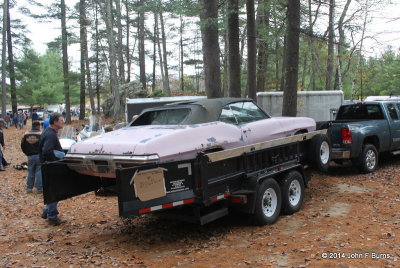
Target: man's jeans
(51,208)
(34,170)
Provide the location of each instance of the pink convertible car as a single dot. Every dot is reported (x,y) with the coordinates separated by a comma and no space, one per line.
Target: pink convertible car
(179,132)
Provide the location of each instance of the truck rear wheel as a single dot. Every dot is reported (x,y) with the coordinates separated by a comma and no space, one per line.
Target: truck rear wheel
(292,187)
(369,159)
(268,202)
(320,152)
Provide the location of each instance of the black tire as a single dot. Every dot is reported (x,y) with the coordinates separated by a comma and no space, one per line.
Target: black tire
(268,203)
(292,188)
(368,161)
(320,152)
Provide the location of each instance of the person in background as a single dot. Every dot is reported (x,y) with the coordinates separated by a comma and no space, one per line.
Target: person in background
(2,123)
(26,116)
(46,122)
(35,116)
(50,150)
(7,119)
(21,119)
(15,120)
(30,147)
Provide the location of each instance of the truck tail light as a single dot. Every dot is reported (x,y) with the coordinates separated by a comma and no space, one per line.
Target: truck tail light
(346,136)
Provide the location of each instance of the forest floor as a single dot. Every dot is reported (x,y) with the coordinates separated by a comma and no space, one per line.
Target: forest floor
(347,220)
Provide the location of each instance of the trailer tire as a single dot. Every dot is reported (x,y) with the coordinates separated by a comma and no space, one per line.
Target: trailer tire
(369,159)
(292,187)
(320,152)
(268,202)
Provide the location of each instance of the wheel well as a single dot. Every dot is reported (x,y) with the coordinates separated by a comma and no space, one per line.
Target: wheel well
(372,140)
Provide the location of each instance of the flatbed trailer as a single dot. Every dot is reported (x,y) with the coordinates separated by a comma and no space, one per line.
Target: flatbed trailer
(262,180)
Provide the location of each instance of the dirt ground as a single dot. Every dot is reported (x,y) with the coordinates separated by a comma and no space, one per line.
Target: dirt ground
(347,220)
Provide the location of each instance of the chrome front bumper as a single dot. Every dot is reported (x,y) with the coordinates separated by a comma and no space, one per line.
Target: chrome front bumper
(105,165)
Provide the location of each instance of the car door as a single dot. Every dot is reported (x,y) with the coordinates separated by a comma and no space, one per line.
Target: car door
(394,124)
(255,124)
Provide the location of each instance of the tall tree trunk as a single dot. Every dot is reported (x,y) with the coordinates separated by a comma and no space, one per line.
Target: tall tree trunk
(166,87)
(233,49)
(120,50)
(142,53)
(86,56)
(65,62)
(341,45)
(284,55)
(159,49)
(311,47)
(292,59)
(153,82)
(97,58)
(4,61)
(82,99)
(212,70)
(262,34)
(113,62)
(353,92)
(331,37)
(181,52)
(128,55)
(251,50)
(14,102)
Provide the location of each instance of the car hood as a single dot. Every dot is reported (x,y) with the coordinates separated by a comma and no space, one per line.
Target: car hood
(139,140)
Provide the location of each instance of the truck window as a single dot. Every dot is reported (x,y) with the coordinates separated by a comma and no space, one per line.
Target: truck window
(392,111)
(360,112)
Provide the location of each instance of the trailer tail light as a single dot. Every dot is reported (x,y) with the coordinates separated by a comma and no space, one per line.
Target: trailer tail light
(347,138)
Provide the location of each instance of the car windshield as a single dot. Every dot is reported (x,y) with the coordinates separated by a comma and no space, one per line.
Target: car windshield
(162,117)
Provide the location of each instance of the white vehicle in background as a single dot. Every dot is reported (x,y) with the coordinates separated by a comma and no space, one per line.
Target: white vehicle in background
(68,137)
(94,128)
(55,108)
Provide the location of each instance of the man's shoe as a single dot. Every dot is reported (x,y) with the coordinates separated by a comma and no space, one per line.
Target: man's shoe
(44,214)
(55,222)
(39,191)
(28,191)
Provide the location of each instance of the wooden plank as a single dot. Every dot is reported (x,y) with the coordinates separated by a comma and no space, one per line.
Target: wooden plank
(226,154)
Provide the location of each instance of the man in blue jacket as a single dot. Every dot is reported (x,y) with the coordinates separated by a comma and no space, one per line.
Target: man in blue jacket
(50,150)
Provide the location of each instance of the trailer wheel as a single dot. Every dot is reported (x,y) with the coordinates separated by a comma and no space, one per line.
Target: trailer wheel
(268,202)
(292,187)
(320,152)
(369,159)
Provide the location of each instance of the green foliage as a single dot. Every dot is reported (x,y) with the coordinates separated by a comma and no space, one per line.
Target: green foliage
(40,79)
(157,94)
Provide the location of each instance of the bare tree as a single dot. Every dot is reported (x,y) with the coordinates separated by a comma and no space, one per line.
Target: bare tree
(251,50)
(142,52)
(84,25)
(212,70)
(82,98)
(4,61)
(120,50)
(13,86)
(331,40)
(65,62)
(262,22)
(289,107)
(113,61)
(166,87)
(233,49)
